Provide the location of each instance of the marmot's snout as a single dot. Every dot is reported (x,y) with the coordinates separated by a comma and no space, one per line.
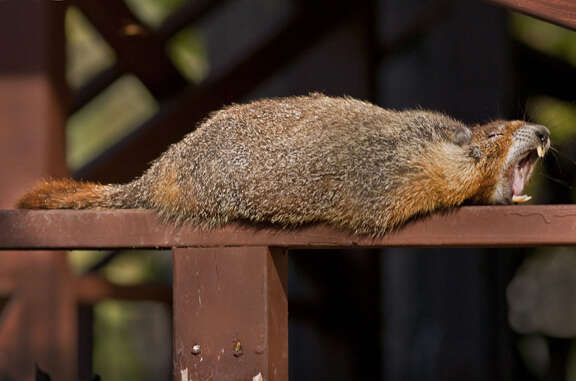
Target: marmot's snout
(529,142)
(542,133)
(538,133)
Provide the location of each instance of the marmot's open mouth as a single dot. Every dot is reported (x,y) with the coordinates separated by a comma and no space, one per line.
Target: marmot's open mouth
(522,171)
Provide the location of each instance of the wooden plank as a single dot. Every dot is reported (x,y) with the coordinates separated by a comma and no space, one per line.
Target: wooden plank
(471,226)
(92,289)
(561,12)
(230,318)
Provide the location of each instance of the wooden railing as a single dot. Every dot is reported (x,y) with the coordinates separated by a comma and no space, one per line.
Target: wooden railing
(471,226)
(229,289)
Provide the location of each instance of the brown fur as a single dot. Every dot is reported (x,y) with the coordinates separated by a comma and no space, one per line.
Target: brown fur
(166,191)
(63,194)
(291,161)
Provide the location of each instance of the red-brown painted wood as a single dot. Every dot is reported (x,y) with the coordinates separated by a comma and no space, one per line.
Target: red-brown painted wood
(92,289)
(472,226)
(39,324)
(230,314)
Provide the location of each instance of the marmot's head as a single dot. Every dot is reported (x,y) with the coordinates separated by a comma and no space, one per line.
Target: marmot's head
(506,152)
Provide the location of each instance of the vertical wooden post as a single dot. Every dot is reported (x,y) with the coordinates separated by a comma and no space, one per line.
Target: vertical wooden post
(38,324)
(230,314)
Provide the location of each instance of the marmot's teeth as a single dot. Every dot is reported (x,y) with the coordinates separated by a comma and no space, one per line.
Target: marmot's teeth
(521,198)
(541,151)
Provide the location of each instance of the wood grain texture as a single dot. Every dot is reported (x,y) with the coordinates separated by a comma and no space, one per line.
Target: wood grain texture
(472,226)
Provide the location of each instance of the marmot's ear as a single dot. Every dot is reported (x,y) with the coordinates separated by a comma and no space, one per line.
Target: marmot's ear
(475,153)
(461,136)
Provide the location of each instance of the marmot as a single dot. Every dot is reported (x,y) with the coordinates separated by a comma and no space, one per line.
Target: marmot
(298,160)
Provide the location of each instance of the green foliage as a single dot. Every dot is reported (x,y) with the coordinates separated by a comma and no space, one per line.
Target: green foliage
(559,116)
(114,352)
(187,51)
(128,344)
(121,352)
(153,12)
(545,37)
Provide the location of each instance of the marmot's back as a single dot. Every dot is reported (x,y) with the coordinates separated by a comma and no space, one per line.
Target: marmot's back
(315,158)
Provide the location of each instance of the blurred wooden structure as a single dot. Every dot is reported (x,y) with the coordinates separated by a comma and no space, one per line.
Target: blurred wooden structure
(39,317)
(37,291)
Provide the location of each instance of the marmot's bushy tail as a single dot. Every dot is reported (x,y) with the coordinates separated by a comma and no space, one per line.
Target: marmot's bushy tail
(66,194)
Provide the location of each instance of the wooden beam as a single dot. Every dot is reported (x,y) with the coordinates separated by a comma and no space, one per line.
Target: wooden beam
(39,326)
(91,289)
(230,318)
(471,226)
(561,12)
(95,85)
(188,13)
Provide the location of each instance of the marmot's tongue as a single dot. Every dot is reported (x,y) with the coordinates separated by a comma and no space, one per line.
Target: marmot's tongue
(519,179)
(520,174)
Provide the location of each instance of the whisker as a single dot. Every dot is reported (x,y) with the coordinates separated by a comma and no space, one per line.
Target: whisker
(555,154)
(558,181)
(524,112)
(558,153)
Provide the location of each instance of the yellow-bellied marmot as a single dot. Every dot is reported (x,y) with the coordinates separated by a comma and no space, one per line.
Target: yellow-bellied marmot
(297,160)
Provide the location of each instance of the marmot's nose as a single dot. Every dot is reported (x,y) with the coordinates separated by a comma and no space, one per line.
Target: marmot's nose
(542,133)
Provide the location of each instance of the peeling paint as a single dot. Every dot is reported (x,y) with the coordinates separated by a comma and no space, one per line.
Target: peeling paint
(184,374)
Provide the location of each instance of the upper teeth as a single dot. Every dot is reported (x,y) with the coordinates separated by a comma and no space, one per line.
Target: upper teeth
(541,151)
